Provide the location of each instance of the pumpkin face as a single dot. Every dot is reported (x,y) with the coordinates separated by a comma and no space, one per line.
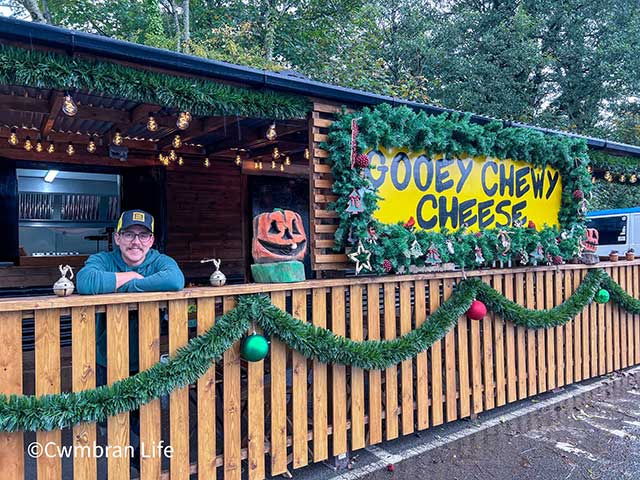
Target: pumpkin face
(590,242)
(278,236)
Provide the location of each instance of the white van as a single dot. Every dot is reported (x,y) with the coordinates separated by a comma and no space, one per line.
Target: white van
(618,229)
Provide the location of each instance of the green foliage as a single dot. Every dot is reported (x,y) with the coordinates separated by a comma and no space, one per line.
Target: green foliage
(614,195)
(49,412)
(48,70)
(454,136)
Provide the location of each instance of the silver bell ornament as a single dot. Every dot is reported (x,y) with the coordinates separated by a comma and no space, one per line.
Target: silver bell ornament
(217,278)
(64,286)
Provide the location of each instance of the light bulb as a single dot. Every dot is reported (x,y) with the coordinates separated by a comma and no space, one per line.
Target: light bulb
(260,165)
(207,163)
(255,164)
(281,167)
(28,146)
(180,161)
(177,142)
(593,180)
(39,147)
(152,124)
(238,159)
(287,161)
(163,159)
(306,154)
(271,132)
(273,164)
(607,176)
(633,178)
(91,146)
(13,137)
(622,178)
(117,138)
(184,118)
(70,149)
(172,155)
(51,148)
(589,169)
(69,107)
(276,153)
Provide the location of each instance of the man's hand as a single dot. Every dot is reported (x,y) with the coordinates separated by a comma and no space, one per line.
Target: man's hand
(124,277)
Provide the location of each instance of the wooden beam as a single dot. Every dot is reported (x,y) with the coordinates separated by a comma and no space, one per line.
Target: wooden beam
(55,101)
(80,157)
(255,139)
(248,168)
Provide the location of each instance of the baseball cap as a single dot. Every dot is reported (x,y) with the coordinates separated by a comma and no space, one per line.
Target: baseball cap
(135,217)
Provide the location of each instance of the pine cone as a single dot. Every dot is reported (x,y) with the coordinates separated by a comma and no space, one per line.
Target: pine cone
(361,161)
(386,264)
(578,194)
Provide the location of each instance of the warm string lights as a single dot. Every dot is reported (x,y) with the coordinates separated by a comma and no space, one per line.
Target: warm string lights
(39,147)
(176,142)
(117,138)
(271,134)
(70,149)
(91,146)
(28,146)
(184,119)
(152,123)
(620,178)
(13,137)
(69,107)
(51,148)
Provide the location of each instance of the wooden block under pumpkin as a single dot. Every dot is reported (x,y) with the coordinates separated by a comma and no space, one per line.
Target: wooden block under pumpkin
(278,236)
(280,272)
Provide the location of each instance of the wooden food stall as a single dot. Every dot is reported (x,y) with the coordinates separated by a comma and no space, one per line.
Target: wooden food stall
(414,220)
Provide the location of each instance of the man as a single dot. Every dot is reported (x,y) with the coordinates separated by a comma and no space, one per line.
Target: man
(132,267)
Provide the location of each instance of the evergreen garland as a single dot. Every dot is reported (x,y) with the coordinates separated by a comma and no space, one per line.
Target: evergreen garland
(49,412)
(38,69)
(454,136)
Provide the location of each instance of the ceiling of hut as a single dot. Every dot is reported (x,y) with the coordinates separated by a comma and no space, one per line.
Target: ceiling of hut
(39,115)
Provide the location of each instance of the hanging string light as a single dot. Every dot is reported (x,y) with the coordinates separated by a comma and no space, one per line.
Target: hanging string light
(276,153)
(39,147)
(306,154)
(255,164)
(117,138)
(260,165)
(176,142)
(91,146)
(51,148)
(180,161)
(593,180)
(622,178)
(589,169)
(173,156)
(70,149)
(271,132)
(633,178)
(281,167)
(238,159)
(184,119)
(287,161)
(28,146)
(13,137)
(69,107)
(607,176)
(164,160)
(273,164)
(152,123)
(207,163)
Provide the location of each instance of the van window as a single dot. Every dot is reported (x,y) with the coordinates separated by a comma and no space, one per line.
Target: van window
(612,230)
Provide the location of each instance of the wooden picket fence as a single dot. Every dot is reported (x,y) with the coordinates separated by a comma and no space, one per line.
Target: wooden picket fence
(280,414)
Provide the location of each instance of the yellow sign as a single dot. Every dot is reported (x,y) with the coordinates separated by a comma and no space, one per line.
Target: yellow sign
(481,192)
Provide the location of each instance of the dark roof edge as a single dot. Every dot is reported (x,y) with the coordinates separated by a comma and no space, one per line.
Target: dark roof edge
(72,41)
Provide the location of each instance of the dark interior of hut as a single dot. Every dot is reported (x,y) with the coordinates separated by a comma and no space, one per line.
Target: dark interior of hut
(202,177)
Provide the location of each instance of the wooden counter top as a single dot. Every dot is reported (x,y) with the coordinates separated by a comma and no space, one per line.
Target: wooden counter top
(45,302)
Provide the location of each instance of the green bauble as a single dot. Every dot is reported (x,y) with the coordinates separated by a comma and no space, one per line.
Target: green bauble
(602,296)
(254,348)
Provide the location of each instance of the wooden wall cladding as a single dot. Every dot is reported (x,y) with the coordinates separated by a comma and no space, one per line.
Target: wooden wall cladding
(324,222)
(205,217)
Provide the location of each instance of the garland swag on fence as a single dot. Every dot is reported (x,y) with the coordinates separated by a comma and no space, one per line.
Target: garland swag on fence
(49,412)
(33,68)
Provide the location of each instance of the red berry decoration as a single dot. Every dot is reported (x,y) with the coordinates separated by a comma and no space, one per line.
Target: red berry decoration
(558,260)
(478,234)
(531,224)
(391,467)
(361,161)
(578,194)
(386,264)
(477,310)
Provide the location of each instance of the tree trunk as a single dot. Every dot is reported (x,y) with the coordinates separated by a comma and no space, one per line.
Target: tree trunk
(186,31)
(34,10)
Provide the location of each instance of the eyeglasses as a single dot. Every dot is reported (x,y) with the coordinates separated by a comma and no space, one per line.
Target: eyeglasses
(144,237)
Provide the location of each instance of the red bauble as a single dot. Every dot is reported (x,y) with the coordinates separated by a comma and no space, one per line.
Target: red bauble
(478,234)
(531,224)
(391,467)
(558,260)
(578,194)
(477,310)
(361,161)
(386,264)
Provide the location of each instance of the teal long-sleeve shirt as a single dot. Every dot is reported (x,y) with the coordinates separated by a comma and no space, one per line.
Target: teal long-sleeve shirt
(161,274)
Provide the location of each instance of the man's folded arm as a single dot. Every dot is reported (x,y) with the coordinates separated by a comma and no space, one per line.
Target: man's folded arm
(169,278)
(92,279)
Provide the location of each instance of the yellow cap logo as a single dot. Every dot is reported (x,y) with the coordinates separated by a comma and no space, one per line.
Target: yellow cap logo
(138,217)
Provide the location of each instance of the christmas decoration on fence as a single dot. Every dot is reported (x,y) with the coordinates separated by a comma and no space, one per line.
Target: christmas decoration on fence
(362,258)
(477,310)
(63,410)
(602,296)
(254,347)
(217,278)
(64,286)
(454,136)
(40,69)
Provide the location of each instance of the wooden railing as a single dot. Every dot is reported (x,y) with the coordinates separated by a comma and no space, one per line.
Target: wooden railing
(285,412)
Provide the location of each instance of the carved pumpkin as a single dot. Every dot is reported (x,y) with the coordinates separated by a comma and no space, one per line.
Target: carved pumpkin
(278,236)
(590,243)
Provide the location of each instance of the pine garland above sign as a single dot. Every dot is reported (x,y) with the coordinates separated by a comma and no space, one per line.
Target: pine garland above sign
(63,410)
(38,69)
(400,247)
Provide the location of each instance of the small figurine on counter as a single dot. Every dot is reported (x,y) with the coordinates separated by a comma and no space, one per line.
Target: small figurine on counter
(64,286)
(217,278)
